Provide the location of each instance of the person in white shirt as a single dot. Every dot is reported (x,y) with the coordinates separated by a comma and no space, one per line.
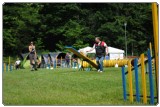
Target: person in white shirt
(101,50)
(17,63)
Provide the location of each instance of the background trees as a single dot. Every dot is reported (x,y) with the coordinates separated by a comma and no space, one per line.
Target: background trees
(55,25)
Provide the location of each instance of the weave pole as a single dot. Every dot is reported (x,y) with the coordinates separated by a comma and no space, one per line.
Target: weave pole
(130,81)
(136,80)
(143,80)
(124,83)
(155,33)
(150,77)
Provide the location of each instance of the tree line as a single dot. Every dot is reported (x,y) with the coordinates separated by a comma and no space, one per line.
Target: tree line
(52,26)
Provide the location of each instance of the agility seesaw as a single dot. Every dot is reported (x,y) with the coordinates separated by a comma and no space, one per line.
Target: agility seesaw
(88,62)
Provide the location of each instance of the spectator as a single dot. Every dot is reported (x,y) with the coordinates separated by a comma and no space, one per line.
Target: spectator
(32,56)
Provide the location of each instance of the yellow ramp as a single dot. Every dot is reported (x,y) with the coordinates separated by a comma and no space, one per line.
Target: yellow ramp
(83,57)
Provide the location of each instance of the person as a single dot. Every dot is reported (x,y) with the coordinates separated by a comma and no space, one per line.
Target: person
(101,50)
(67,60)
(32,56)
(17,63)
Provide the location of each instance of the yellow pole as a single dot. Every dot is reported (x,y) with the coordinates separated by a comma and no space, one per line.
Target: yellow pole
(9,63)
(155,32)
(130,81)
(144,90)
(4,67)
(150,47)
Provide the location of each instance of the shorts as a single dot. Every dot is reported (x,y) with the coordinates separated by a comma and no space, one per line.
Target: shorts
(32,57)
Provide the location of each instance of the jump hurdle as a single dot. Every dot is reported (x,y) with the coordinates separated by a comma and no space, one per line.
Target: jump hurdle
(147,96)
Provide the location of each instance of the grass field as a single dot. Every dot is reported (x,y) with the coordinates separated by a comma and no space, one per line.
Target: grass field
(63,87)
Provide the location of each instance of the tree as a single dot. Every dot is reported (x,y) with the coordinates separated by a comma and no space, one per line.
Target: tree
(55,25)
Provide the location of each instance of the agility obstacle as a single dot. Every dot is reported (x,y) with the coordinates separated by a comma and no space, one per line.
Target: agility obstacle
(108,63)
(143,86)
(152,93)
(7,67)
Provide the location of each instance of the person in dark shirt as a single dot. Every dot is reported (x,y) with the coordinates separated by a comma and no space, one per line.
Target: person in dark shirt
(32,56)
(101,50)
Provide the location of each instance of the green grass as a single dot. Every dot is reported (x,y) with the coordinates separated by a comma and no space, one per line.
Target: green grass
(63,87)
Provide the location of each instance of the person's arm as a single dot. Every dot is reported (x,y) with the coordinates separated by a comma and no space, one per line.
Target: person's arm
(106,50)
(35,51)
(91,49)
(105,45)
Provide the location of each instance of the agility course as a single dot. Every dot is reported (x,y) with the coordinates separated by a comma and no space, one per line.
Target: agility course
(122,63)
(139,82)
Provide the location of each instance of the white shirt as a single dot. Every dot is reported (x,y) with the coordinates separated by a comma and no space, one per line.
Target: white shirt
(18,62)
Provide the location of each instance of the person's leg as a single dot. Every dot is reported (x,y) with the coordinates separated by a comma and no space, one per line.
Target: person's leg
(31,57)
(97,61)
(101,63)
(18,66)
(35,60)
(67,64)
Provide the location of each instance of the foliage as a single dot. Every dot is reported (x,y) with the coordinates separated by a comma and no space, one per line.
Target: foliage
(52,26)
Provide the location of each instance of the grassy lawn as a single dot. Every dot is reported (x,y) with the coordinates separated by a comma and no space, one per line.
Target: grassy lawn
(63,87)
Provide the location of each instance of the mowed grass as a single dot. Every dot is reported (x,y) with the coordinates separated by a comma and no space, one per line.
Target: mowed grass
(63,86)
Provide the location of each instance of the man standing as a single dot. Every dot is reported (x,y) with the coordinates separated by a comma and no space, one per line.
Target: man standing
(101,50)
(32,56)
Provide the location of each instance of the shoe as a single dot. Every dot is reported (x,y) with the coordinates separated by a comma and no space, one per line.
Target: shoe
(99,70)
